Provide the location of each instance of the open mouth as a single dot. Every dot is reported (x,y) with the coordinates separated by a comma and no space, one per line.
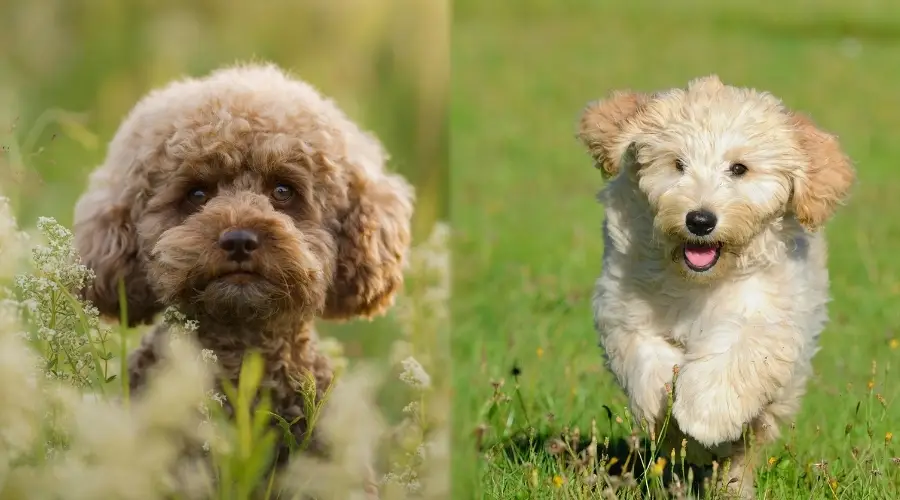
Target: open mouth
(700,258)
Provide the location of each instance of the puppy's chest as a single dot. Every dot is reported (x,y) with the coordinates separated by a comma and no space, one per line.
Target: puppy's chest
(692,313)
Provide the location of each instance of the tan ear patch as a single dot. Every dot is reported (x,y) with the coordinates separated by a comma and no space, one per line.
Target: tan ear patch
(826,182)
(601,124)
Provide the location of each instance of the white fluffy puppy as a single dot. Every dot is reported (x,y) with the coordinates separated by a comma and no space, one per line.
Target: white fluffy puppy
(712,259)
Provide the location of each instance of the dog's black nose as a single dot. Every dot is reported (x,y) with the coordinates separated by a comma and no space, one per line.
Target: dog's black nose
(700,222)
(239,243)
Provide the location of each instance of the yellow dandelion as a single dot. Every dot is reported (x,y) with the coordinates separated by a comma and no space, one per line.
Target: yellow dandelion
(834,485)
(894,343)
(658,468)
(888,438)
(612,461)
(871,385)
(557,481)
(540,352)
(772,461)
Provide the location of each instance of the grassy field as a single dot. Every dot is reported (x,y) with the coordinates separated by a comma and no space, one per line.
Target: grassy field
(528,247)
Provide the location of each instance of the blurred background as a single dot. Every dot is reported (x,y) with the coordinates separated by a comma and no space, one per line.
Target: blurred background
(528,225)
(71,70)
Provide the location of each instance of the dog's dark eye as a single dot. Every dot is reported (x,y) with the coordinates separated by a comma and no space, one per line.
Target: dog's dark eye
(282,193)
(679,165)
(197,196)
(738,169)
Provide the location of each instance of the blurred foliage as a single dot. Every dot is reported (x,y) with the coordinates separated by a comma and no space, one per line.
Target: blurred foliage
(846,13)
(71,70)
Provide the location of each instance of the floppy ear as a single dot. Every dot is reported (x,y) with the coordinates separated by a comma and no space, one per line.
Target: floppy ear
(373,237)
(826,182)
(105,238)
(601,123)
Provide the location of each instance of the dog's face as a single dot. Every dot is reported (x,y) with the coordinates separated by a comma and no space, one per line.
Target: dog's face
(244,196)
(241,241)
(718,165)
(717,169)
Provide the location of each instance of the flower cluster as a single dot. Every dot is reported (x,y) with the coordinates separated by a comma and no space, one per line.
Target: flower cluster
(65,329)
(423,315)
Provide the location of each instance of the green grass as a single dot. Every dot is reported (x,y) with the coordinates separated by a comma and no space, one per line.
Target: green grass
(529,244)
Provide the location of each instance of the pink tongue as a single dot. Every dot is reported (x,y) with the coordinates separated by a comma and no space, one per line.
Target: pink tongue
(700,256)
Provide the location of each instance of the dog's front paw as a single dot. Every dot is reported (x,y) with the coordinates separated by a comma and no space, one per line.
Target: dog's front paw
(707,410)
(647,378)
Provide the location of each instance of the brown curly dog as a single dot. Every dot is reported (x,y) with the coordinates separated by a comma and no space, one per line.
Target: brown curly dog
(254,205)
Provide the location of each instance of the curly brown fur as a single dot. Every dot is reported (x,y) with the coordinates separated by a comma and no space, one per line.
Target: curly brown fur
(246,148)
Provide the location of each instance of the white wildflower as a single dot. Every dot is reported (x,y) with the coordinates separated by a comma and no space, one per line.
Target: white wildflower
(179,324)
(182,330)
(208,356)
(68,331)
(411,408)
(423,314)
(414,486)
(408,479)
(414,374)
(218,397)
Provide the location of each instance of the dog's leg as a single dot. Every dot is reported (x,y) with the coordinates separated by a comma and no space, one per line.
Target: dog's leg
(746,454)
(742,456)
(643,365)
(741,474)
(694,452)
(729,377)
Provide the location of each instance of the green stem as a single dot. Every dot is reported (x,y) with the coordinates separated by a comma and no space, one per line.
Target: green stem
(79,312)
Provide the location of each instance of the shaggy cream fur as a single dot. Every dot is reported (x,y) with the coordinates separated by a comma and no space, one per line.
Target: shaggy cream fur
(736,296)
